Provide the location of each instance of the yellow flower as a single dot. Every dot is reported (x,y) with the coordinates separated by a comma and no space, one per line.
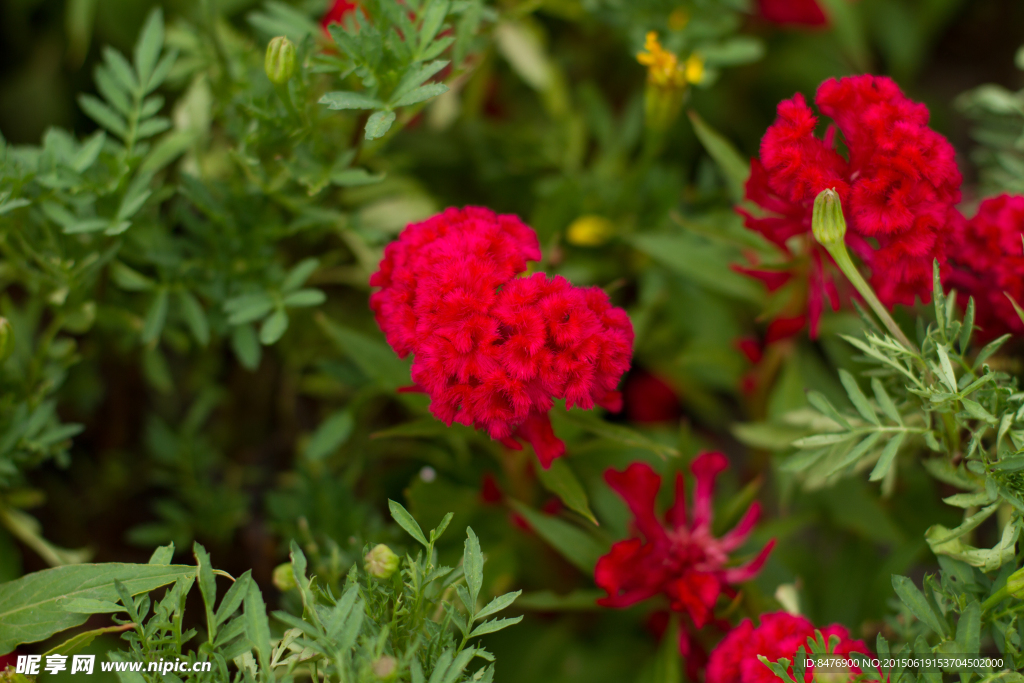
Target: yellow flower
(590,231)
(693,69)
(663,68)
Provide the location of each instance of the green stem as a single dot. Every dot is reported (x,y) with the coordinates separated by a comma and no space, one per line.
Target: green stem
(842,258)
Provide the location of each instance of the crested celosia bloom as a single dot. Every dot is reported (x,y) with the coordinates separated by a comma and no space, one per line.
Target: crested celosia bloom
(987,261)
(780,635)
(679,559)
(898,182)
(491,349)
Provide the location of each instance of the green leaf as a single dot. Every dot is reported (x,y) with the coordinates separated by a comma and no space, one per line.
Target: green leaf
(304,298)
(299,273)
(330,435)
(420,94)
(195,317)
(494,625)
(29,610)
(562,481)
(257,627)
(378,124)
(207,584)
(548,601)
(735,167)
(497,604)
(624,435)
(885,401)
(886,459)
(990,349)
(914,599)
(350,100)
(947,374)
(90,606)
(162,555)
(857,397)
(248,307)
(968,629)
(433,19)
(977,411)
(473,567)
(80,640)
(156,316)
(246,346)
(103,115)
(967,327)
(416,75)
(89,152)
(406,521)
(698,261)
(572,543)
(274,327)
(375,359)
(129,279)
(147,50)
(818,400)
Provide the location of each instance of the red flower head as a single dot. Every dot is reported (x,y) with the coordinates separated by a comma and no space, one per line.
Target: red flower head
(494,350)
(682,561)
(336,15)
(801,12)
(649,399)
(988,264)
(780,635)
(898,183)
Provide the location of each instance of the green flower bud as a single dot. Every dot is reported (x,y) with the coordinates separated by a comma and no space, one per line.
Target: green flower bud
(280,61)
(284,577)
(381,562)
(385,667)
(6,339)
(827,222)
(1015,584)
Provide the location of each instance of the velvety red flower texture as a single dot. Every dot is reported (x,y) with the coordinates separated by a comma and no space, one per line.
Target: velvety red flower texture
(801,12)
(494,350)
(336,14)
(682,561)
(780,635)
(898,183)
(987,261)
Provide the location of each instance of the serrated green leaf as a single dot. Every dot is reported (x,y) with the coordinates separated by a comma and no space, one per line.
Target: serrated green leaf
(378,124)
(494,625)
(420,94)
(406,521)
(914,599)
(497,604)
(473,567)
(350,100)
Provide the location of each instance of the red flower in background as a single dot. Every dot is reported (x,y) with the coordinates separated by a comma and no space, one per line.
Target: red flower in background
(336,14)
(988,264)
(682,560)
(779,635)
(802,12)
(494,350)
(649,399)
(898,183)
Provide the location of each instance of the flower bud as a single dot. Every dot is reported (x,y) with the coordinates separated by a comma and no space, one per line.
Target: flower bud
(6,339)
(1015,584)
(280,61)
(384,668)
(827,222)
(381,562)
(590,231)
(284,577)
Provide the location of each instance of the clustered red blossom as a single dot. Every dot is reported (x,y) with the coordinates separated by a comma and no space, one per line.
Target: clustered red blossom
(491,349)
(336,14)
(679,559)
(779,635)
(987,260)
(898,182)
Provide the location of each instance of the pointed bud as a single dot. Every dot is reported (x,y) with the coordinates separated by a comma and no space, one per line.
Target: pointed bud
(827,222)
(284,577)
(381,562)
(280,61)
(6,339)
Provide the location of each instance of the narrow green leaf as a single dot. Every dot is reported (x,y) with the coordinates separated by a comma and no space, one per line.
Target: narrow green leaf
(968,629)
(494,625)
(406,521)
(977,411)
(857,397)
(374,358)
(147,49)
(947,368)
(818,400)
(207,584)
(968,326)
(274,327)
(614,432)
(304,298)
(420,94)
(548,601)
(257,627)
(195,317)
(990,349)
(233,598)
(299,273)
(89,152)
(330,435)
(914,599)
(856,453)
(350,100)
(162,555)
(156,316)
(378,124)
(734,166)
(246,346)
(571,542)
(562,481)
(886,459)
(885,401)
(103,115)
(433,19)
(80,640)
(473,567)
(497,604)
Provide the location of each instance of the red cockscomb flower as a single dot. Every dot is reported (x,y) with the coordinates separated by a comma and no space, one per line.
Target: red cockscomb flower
(988,264)
(898,183)
(649,399)
(801,12)
(494,350)
(684,561)
(780,635)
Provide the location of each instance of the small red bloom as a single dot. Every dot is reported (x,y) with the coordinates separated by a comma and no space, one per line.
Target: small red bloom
(8,660)
(649,399)
(780,635)
(494,350)
(801,12)
(336,14)
(682,561)
(988,264)
(898,183)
